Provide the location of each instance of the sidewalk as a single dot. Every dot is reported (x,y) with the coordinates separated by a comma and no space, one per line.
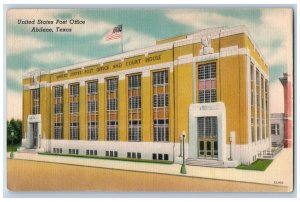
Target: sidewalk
(279,173)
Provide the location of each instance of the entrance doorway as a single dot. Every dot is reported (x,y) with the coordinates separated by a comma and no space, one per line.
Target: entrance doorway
(207,138)
(35,134)
(208,149)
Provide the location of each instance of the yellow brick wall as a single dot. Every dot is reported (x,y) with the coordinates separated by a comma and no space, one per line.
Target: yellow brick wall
(82,113)
(101,112)
(66,113)
(122,111)
(233,94)
(146,109)
(183,98)
(26,110)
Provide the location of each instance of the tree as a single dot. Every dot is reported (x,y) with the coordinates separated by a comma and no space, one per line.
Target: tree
(14,126)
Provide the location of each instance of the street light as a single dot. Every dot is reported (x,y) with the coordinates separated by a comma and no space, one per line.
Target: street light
(183,169)
(12,142)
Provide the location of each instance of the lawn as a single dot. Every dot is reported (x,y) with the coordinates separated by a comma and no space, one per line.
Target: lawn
(260,165)
(13,148)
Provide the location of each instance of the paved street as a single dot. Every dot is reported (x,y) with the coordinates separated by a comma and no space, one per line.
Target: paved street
(25,175)
(279,173)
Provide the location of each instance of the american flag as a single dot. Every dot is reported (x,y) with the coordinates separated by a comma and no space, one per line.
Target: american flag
(115,34)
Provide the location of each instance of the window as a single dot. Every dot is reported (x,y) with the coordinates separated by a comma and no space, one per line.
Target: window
(111,153)
(112,104)
(36,101)
(161,130)
(111,109)
(161,100)
(74,109)
(58,112)
(134,155)
(92,103)
(275,129)
(74,151)
(207,127)
(134,107)
(74,131)
(160,78)
(58,130)
(258,105)
(92,88)
(93,130)
(91,152)
(57,150)
(92,106)
(162,157)
(207,83)
(160,106)
(134,102)
(74,90)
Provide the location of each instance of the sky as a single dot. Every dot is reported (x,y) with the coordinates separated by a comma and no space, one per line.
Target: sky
(271,30)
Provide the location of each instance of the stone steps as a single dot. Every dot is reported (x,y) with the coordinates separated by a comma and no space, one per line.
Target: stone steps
(205,163)
(24,150)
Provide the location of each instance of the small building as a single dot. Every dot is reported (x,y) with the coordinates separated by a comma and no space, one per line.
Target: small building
(213,84)
(277,129)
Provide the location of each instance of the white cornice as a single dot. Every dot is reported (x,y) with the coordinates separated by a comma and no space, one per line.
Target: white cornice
(192,38)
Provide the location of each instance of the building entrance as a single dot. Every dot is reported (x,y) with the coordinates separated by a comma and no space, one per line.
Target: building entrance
(207,138)
(35,132)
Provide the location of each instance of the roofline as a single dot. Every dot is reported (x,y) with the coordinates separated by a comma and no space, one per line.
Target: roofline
(190,38)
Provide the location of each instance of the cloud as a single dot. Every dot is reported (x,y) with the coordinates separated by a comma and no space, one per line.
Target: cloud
(14,75)
(132,40)
(274,26)
(276,97)
(89,28)
(56,57)
(201,19)
(18,44)
(13,105)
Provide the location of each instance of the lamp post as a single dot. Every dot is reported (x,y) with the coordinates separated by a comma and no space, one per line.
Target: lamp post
(183,169)
(230,141)
(12,142)
(180,155)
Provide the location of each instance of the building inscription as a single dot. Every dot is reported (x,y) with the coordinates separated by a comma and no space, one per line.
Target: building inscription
(105,68)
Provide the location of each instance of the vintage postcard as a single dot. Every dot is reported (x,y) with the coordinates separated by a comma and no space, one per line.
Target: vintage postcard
(150,99)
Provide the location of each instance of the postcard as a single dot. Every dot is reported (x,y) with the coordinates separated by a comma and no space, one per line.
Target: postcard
(150,99)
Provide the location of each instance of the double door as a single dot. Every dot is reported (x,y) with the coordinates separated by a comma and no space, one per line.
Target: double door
(208,148)
(35,132)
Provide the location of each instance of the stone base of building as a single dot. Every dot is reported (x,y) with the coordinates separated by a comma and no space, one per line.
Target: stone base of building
(240,154)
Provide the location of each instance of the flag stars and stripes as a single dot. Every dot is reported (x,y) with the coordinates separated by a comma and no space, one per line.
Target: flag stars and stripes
(115,34)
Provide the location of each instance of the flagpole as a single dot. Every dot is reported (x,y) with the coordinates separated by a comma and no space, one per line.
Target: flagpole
(122,39)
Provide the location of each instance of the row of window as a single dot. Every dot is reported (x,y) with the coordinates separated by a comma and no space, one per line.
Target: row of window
(133,155)
(57,150)
(164,157)
(207,93)
(91,152)
(259,90)
(111,153)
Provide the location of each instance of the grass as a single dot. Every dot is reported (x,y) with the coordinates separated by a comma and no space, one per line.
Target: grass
(13,148)
(260,165)
(110,158)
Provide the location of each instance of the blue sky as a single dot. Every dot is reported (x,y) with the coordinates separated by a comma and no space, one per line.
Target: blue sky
(271,29)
